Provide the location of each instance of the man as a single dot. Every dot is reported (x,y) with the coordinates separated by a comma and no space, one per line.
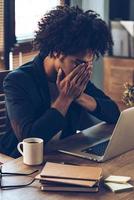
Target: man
(49,94)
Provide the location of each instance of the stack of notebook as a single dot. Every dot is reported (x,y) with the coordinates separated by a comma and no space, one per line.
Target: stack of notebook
(66,177)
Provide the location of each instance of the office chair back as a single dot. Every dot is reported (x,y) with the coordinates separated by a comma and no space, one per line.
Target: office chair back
(2,103)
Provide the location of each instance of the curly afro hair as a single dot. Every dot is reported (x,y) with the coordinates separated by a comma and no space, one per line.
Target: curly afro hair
(70,31)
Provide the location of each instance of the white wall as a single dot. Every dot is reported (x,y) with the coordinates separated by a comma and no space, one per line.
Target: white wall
(96,5)
(76,2)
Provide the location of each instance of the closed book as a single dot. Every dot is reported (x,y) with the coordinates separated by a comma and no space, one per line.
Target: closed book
(68,188)
(85,183)
(116,187)
(56,170)
(118,179)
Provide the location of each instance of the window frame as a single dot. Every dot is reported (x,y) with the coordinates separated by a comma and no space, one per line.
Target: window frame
(10,42)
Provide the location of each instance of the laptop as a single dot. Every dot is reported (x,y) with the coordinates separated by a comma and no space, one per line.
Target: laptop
(100,148)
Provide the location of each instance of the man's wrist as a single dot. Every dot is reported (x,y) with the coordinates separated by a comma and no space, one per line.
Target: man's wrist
(65,99)
(79,98)
(87,102)
(62,104)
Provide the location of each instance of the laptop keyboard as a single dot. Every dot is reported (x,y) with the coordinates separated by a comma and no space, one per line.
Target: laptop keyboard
(98,149)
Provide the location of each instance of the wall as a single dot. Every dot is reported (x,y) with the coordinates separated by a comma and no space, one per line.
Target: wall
(131,10)
(76,2)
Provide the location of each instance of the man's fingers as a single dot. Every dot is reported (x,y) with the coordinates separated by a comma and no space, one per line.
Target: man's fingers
(76,70)
(78,75)
(85,81)
(60,76)
(83,77)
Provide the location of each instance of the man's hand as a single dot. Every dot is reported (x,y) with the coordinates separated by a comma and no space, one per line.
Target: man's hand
(74,83)
(71,87)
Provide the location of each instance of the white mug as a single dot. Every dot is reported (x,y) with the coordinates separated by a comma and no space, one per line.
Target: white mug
(32,151)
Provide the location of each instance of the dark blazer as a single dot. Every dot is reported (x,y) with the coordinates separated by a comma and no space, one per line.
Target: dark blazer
(29,109)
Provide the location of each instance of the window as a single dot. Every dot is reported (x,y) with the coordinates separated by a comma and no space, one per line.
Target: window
(20,22)
(27,15)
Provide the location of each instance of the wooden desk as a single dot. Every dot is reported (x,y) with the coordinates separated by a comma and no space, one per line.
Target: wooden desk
(4,158)
(121,165)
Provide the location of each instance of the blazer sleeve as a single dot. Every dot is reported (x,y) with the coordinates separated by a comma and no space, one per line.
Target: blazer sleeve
(22,114)
(106,110)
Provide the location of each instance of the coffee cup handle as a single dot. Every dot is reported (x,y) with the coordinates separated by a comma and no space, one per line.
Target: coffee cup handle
(19,147)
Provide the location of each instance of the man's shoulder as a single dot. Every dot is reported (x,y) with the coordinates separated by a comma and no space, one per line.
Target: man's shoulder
(27,70)
(23,72)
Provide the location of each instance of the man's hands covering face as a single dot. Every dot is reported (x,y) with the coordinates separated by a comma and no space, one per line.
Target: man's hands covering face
(74,84)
